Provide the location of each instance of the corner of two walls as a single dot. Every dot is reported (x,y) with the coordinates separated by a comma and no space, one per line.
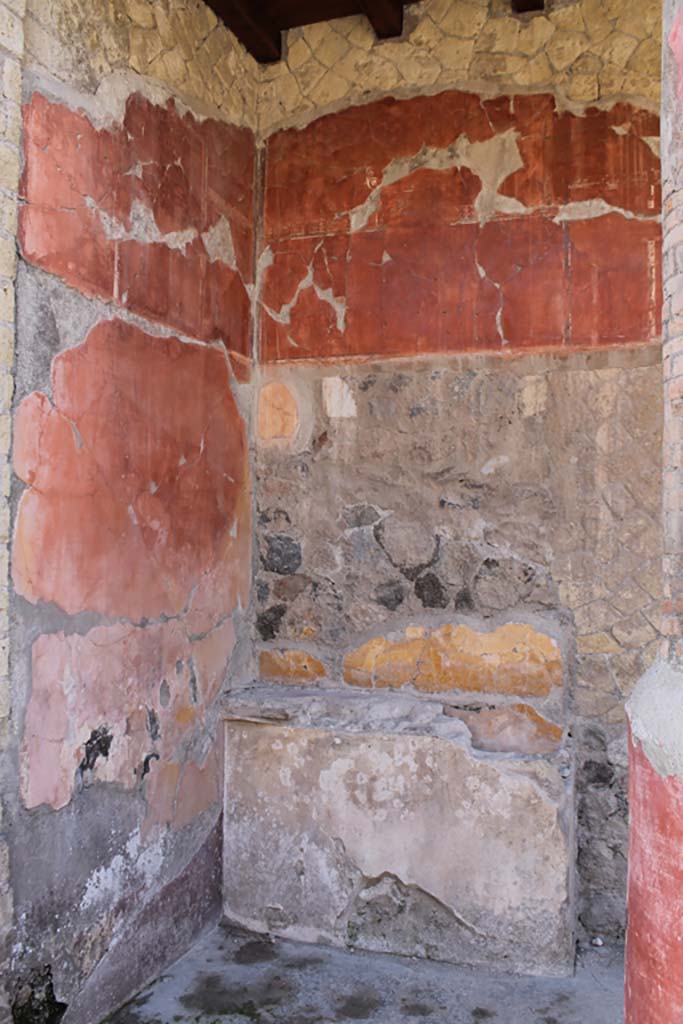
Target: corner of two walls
(131,501)
(373,514)
(11,52)
(459,421)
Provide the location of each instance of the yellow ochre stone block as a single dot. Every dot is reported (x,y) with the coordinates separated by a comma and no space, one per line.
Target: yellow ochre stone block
(513,659)
(294,666)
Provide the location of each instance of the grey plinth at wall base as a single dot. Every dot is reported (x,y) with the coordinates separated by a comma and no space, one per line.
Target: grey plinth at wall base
(374,824)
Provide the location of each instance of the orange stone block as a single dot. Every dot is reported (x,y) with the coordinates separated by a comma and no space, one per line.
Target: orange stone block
(292,666)
(513,659)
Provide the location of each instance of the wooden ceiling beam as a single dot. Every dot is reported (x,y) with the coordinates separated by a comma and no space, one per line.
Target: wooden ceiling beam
(293,13)
(250,22)
(524,6)
(385,16)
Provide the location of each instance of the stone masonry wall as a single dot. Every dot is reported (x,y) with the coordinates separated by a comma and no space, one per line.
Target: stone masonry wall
(409,514)
(11,50)
(132,532)
(585,51)
(177,43)
(419,522)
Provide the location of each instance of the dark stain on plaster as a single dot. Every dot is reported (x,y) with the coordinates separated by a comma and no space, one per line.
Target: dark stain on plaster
(257,951)
(35,1001)
(147,764)
(268,622)
(417,1009)
(598,773)
(303,963)
(192,683)
(213,996)
(153,724)
(481,1013)
(282,555)
(360,1005)
(97,746)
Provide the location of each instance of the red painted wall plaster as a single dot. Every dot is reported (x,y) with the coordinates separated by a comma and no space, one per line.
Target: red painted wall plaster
(423,268)
(654,961)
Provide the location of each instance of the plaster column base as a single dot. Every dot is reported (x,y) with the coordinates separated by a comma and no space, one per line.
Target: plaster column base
(654,944)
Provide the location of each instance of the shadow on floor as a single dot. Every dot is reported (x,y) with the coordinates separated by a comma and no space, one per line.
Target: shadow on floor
(232,977)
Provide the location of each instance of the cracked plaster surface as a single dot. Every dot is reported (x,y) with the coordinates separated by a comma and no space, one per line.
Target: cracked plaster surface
(452,223)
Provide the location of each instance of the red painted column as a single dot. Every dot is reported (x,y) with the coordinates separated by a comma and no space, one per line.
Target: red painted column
(654,944)
(654,961)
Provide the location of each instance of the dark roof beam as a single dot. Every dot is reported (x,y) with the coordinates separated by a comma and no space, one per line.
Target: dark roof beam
(385,16)
(252,26)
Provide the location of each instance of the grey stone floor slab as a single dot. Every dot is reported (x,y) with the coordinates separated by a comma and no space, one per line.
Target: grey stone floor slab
(232,977)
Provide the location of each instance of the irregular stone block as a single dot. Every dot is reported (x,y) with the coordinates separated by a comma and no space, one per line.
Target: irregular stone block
(513,659)
(399,843)
(294,666)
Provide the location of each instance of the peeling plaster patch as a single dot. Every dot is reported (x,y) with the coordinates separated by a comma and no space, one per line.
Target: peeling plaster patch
(525,208)
(655,711)
(533,396)
(117,215)
(512,659)
(278,412)
(143,227)
(494,464)
(654,143)
(75,542)
(590,208)
(491,161)
(219,244)
(338,398)
(137,867)
(106,108)
(284,314)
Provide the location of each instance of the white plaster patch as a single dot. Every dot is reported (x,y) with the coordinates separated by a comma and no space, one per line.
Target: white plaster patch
(533,397)
(589,208)
(143,227)
(219,244)
(107,884)
(338,399)
(655,711)
(494,464)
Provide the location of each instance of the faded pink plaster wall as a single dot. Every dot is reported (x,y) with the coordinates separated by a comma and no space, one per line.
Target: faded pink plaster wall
(136,507)
(132,530)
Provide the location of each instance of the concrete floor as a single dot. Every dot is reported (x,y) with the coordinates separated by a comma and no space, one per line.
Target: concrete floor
(231,977)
